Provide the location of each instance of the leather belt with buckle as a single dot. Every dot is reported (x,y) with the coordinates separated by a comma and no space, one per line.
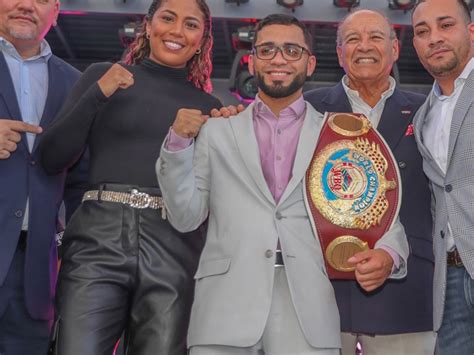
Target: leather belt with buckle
(279,259)
(454,259)
(134,198)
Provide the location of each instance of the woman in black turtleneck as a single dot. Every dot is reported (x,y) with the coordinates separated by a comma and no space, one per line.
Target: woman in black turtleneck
(124,267)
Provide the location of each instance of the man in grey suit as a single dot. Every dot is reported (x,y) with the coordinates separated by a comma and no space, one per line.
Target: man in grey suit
(444,129)
(246,174)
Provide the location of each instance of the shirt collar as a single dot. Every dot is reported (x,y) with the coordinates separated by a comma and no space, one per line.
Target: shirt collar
(296,109)
(457,83)
(8,48)
(355,94)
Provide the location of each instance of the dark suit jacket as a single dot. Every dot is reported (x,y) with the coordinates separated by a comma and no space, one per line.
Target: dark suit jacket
(22,177)
(399,306)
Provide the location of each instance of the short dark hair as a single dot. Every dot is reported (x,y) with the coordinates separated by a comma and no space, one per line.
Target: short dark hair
(286,20)
(466,11)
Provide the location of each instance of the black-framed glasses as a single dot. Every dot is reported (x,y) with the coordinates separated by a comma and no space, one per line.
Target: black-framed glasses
(290,52)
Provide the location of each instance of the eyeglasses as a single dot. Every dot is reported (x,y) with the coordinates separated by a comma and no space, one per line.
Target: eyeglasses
(290,52)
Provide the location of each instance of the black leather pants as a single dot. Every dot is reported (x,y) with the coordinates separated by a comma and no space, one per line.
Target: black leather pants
(124,269)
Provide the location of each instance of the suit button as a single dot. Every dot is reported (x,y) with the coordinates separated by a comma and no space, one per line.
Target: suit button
(441,234)
(448,188)
(278,215)
(19,213)
(402,164)
(268,253)
(32,162)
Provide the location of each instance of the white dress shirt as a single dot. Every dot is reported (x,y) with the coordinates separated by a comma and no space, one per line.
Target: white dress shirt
(360,106)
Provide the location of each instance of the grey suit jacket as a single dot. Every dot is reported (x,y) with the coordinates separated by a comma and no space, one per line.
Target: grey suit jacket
(221,176)
(453,192)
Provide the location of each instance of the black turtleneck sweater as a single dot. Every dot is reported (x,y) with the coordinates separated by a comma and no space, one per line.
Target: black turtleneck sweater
(125,131)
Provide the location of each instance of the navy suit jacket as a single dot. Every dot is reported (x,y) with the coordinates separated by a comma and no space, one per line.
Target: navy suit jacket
(399,306)
(22,177)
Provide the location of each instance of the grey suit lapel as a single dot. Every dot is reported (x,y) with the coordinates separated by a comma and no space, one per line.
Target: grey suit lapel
(418,123)
(432,168)
(244,131)
(304,152)
(460,111)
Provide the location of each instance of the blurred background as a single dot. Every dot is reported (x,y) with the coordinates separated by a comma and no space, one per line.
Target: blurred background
(99,30)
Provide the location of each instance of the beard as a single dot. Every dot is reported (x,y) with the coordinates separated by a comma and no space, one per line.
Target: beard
(443,68)
(276,90)
(23,31)
(23,34)
(450,65)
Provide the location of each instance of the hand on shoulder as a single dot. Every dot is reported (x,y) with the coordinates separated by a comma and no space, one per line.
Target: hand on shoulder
(227,111)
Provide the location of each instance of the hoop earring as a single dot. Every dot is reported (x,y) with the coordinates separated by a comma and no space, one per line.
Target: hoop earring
(147,36)
(198,51)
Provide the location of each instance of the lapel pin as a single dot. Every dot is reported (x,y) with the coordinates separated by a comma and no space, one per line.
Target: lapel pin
(406,112)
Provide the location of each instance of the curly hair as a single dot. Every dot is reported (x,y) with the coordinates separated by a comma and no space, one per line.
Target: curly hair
(199,66)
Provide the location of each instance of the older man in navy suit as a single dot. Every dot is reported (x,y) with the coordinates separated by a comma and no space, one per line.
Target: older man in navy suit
(33,85)
(397,318)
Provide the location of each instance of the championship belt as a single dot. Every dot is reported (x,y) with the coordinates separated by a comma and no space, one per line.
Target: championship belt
(352,189)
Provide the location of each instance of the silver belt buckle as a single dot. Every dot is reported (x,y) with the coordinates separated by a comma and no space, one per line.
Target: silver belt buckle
(139,199)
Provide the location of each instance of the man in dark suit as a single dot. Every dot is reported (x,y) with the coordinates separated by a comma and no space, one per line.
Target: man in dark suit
(33,85)
(396,318)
